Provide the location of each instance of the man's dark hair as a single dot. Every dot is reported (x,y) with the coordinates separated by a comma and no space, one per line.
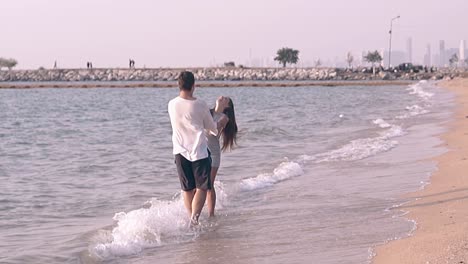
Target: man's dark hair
(186,80)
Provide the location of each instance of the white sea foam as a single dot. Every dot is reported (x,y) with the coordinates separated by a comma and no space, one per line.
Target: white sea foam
(393,131)
(363,147)
(144,228)
(359,149)
(285,170)
(221,195)
(163,222)
(416,110)
(413,110)
(418,89)
(381,123)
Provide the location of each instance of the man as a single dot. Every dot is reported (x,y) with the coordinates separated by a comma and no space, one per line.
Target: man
(190,120)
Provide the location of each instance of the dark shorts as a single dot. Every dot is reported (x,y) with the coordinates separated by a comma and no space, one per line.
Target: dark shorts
(193,174)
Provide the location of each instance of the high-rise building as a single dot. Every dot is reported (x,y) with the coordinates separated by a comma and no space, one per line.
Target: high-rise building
(442,58)
(428,56)
(409,50)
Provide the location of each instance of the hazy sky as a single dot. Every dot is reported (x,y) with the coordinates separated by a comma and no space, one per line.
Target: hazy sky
(184,33)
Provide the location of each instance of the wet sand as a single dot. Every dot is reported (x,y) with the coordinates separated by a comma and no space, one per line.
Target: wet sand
(441,210)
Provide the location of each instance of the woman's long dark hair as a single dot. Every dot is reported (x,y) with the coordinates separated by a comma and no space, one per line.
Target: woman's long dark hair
(230,131)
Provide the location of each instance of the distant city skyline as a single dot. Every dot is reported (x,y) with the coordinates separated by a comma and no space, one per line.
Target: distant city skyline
(183,33)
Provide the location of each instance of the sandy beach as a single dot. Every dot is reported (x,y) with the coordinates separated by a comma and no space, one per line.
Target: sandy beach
(441,209)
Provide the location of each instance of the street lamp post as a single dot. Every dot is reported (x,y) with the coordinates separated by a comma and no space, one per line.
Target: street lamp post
(390,44)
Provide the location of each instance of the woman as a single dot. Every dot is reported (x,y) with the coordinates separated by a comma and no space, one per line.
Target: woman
(227,129)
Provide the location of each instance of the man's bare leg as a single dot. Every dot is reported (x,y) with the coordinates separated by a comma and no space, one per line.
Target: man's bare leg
(188,199)
(197,204)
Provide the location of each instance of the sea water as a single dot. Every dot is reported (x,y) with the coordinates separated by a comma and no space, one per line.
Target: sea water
(88,175)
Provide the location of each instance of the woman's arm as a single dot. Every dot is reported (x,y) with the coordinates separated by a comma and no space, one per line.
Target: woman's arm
(222,122)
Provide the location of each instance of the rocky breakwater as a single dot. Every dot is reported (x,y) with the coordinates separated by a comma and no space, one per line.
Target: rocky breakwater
(216,74)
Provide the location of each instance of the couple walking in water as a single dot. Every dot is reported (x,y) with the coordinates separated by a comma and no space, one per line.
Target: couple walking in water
(197,132)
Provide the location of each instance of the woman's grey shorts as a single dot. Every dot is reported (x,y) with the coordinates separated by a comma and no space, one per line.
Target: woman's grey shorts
(215,155)
(215,160)
(215,151)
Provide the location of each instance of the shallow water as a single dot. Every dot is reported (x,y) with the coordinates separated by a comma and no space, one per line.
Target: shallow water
(88,175)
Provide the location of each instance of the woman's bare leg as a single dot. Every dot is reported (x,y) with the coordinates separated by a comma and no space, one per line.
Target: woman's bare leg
(211,194)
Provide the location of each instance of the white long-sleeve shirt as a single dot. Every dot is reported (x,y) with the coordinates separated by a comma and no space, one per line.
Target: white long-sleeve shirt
(189,120)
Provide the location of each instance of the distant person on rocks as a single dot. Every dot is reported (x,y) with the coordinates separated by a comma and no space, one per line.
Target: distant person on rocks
(227,130)
(190,118)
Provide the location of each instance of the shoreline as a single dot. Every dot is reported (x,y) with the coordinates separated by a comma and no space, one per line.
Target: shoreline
(440,210)
(204,84)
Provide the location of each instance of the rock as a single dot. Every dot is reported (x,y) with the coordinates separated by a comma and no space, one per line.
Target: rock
(207,74)
(384,75)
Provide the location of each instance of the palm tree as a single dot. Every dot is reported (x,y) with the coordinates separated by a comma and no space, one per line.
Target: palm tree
(287,55)
(453,60)
(373,57)
(8,63)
